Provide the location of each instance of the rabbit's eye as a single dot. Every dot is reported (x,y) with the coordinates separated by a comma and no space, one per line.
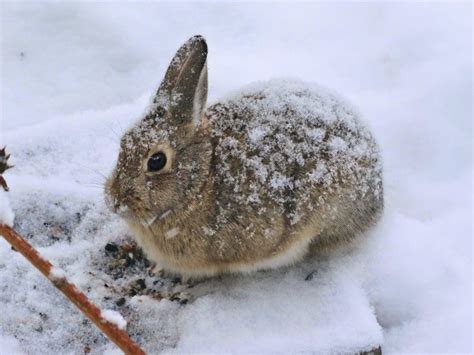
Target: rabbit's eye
(156,162)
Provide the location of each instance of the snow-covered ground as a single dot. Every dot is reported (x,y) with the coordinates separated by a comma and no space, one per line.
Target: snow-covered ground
(76,75)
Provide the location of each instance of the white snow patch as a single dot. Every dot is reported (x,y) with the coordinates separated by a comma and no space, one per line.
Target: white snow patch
(114,317)
(9,345)
(150,221)
(6,213)
(329,313)
(172,233)
(257,133)
(164,215)
(56,274)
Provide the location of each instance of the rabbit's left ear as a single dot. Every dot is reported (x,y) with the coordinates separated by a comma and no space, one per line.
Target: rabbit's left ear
(183,91)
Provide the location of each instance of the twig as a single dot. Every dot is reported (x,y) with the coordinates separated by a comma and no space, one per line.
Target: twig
(90,310)
(3,183)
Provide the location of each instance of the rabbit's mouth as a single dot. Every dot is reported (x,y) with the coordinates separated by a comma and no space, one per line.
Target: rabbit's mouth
(144,217)
(118,208)
(123,211)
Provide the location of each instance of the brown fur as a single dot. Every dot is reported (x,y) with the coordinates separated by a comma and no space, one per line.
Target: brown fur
(207,212)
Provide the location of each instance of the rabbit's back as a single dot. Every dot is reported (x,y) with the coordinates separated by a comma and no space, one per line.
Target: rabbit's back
(285,148)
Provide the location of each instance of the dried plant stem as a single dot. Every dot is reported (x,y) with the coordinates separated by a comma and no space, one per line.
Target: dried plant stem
(3,183)
(90,310)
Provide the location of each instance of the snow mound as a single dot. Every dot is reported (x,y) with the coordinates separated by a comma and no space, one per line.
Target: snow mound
(318,307)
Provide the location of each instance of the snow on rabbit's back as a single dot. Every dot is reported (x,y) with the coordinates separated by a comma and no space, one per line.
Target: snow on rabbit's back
(254,181)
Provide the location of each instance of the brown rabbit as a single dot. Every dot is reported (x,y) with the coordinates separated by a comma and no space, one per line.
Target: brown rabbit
(251,182)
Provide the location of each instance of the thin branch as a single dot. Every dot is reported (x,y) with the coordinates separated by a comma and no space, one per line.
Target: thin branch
(3,183)
(90,310)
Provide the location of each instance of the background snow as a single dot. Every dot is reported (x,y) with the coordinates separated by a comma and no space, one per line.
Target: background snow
(281,312)
(75,75)
(6,214)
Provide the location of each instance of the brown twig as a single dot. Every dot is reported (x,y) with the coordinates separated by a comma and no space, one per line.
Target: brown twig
(90,310)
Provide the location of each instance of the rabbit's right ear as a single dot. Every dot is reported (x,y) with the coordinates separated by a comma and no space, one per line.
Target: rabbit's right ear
(183,92)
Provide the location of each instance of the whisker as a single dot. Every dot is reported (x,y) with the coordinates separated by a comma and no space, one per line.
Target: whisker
(94,171)
(111,128)
(93,186)
(116,135)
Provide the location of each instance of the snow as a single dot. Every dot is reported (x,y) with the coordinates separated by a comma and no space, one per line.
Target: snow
(265,313)
(6,214)
(286,156)
(9,345)
(56,274)
(171,233)
(114,317)
(75,76)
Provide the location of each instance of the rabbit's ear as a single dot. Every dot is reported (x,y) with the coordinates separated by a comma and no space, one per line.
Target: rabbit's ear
(183,91)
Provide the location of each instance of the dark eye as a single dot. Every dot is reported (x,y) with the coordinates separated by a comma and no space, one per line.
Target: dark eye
(156,162)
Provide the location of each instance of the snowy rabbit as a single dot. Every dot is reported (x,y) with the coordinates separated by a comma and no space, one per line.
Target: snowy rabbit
(254,181)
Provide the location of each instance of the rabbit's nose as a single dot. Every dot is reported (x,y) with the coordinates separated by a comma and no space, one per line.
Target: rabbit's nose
(124,202)
(118,207)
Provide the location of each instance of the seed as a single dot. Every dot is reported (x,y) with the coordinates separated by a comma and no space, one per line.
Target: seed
(111,247)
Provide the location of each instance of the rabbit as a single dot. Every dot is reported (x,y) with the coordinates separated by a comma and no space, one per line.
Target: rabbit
(256,181)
